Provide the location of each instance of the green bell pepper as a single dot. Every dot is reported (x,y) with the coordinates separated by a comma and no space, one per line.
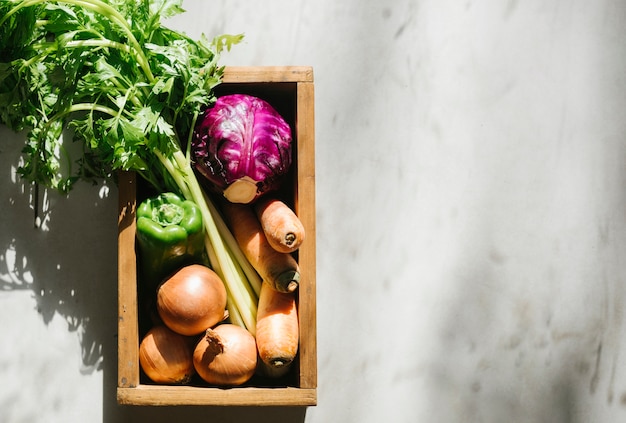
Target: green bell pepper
(169,235)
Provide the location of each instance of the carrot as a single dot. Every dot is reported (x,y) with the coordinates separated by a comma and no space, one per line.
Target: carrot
(277,332)
(278,269)
(283,229)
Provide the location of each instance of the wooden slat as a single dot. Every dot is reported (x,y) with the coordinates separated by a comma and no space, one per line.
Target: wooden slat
(239,74)
(305,208)
(189,395)
(128,333)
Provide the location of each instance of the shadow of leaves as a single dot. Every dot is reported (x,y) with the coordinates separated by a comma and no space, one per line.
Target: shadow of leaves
(65,255)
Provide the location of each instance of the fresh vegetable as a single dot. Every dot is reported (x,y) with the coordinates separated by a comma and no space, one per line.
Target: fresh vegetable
(169,235)
(242,145)
(192,300)
(226,355)
(277,332)
(280,270)
(128,90)
(166,356)
(283,229)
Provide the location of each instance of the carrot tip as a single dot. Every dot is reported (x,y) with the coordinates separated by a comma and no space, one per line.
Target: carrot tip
(288,281)
(278,363)
(290,239)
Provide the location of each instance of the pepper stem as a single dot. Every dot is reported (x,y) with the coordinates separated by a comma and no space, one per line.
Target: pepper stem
(168,214)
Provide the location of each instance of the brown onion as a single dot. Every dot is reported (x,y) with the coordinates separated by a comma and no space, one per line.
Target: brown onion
(226,355)
(166,356)
(192,300)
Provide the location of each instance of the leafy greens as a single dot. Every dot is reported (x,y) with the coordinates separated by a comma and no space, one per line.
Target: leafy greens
(108,71)
(109,75)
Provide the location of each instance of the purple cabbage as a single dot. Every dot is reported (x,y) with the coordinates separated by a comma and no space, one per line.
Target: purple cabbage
(242,145)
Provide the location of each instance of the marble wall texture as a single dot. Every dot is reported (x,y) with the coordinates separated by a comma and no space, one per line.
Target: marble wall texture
(471,221)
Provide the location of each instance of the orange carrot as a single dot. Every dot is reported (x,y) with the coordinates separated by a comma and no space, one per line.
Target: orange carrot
(280,270)
(277,332)
(283,229)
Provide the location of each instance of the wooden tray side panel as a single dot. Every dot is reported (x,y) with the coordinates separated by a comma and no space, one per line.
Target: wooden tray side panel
(234,74)
(305,209)
(151,395)
(128,334)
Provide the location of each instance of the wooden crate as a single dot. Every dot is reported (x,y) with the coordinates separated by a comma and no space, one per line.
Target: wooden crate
(290,90)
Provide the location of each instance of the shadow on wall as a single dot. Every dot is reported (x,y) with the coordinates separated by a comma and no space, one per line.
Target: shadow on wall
(65,255)
(221,414)
(490,371)
(62,254)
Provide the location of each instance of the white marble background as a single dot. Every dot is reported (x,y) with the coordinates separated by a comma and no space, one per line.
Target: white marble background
(471,193)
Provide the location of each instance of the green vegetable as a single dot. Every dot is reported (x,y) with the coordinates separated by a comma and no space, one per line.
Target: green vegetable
(170,235)
(109,76)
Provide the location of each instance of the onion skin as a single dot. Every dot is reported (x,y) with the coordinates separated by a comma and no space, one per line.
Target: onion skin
(192,300)
(226,355)
(166,357)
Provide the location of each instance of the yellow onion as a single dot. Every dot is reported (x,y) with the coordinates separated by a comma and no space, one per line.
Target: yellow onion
(166,357)
(192,300)
(226,355)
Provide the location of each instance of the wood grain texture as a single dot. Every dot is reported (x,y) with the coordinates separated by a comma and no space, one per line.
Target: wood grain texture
(305,209)
(128,333)
(257,74)
(192,395)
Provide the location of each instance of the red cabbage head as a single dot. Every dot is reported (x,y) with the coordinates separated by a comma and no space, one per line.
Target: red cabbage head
(242,145)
